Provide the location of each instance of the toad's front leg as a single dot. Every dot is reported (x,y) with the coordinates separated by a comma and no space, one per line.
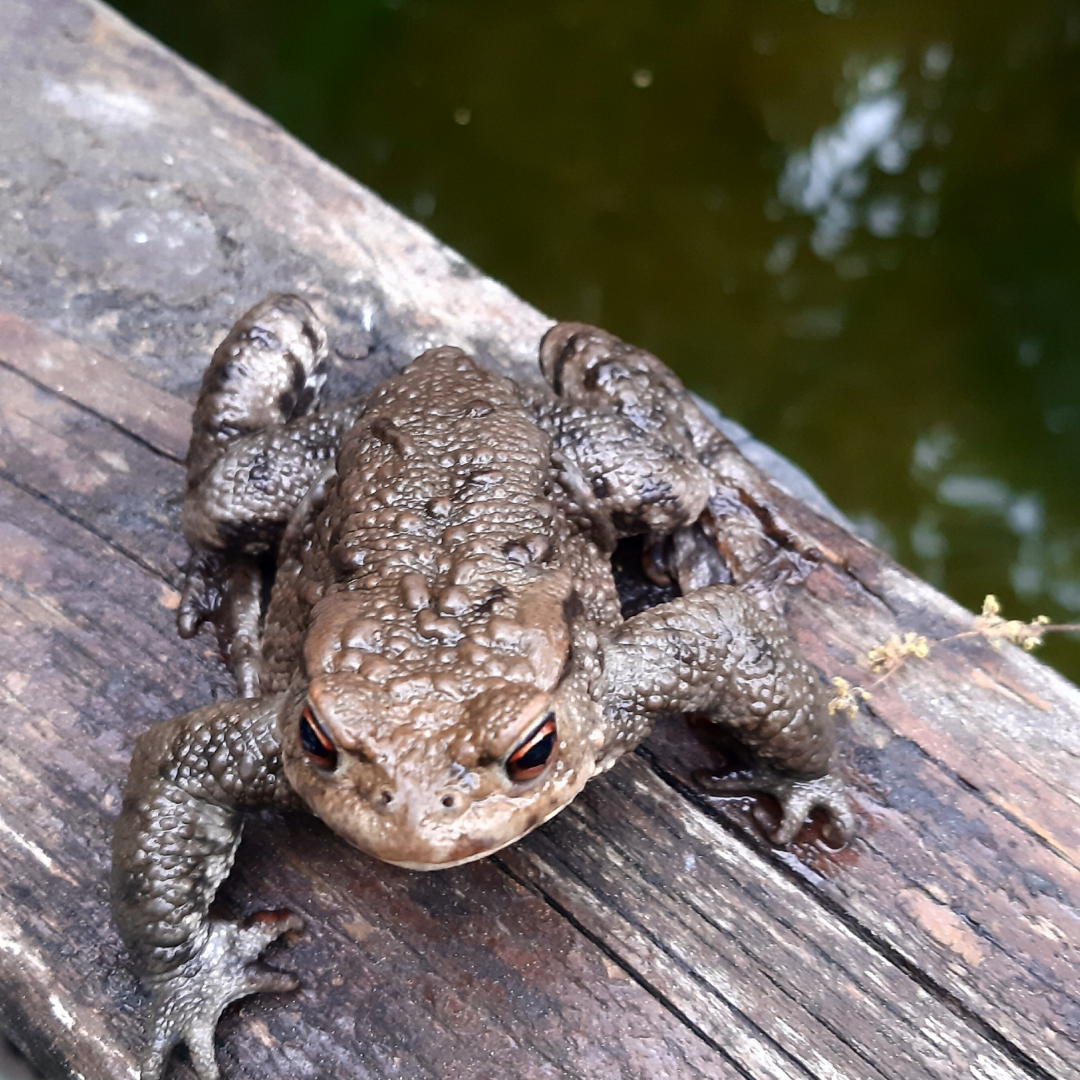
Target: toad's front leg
(716,652)
(173,846)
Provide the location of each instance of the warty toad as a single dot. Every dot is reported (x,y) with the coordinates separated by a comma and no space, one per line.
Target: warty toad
(443,662)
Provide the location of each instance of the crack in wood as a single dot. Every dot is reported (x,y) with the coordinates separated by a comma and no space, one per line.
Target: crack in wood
(863,931)
(652,990)
(174,582)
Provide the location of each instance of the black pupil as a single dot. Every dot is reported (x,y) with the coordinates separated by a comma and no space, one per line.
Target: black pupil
(537,754)
(311,742)
(308,739)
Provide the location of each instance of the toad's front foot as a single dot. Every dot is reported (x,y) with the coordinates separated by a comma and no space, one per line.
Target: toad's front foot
(186,1003)
(797,798)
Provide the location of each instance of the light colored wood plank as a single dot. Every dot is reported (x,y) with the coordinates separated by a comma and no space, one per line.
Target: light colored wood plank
(730,938)
(99,384)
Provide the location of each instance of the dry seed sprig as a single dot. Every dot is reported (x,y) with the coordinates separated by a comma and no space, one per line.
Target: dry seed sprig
(993,626)
(847,697)
(886,659)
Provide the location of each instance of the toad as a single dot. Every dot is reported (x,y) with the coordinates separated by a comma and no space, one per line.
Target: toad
(442,660)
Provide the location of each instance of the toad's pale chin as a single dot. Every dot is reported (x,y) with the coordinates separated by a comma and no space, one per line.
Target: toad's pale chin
(450,864)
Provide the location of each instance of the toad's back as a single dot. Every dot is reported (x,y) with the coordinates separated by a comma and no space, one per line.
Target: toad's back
(445,461)
(438,543)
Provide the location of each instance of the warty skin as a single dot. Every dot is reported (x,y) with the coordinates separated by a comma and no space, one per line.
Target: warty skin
(443,662)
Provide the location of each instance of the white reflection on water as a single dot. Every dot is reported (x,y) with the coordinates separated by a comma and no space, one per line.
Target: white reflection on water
(828,180)
(937,60)
(974,493)
(1045,565)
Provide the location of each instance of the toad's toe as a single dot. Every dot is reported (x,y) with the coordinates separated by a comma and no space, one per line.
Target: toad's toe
(797,797)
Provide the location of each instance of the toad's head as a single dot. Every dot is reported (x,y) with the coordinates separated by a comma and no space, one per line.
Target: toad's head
(426,778)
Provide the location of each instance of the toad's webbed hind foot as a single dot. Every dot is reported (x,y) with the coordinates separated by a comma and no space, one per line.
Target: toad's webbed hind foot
(186,1004)
(259,441)
(228,594)
(204,586)
(797,797)
(648,457)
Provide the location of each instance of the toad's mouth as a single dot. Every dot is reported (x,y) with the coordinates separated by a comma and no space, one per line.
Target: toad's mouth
(484,851)
(449,864)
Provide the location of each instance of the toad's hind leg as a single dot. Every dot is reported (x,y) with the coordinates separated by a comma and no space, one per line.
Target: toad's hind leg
(649,456)
(620,438)
(716,652)
(256,447)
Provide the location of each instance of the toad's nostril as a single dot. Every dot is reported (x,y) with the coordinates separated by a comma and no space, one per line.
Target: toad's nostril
(449,801)
(386,796)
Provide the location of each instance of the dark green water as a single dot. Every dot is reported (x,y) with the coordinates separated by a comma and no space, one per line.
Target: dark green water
(853,225)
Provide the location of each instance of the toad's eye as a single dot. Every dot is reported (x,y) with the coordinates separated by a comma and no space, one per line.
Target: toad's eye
(531,757)
(316,743)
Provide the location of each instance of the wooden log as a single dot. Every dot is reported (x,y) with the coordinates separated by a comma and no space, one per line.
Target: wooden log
(646,932)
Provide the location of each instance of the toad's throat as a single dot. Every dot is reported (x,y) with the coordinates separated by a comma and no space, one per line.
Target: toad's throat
(487,849)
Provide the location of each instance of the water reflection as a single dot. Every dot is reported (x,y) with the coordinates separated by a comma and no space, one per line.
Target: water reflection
(854,227)
(1040,570)
(828,180)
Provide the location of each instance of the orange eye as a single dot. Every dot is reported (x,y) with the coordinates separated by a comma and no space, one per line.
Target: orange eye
(315,741)
(531,757)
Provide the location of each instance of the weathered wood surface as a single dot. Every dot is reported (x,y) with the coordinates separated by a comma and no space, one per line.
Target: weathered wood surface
(647,932)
